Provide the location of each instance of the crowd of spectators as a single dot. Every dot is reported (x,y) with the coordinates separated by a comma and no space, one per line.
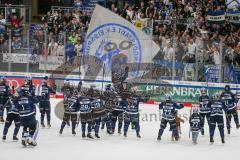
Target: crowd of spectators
(193,39)
(11,28)
(180,28)
(189,38)
(65,27)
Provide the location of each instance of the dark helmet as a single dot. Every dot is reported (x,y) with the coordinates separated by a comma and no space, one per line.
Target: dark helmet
(28,80)
(227,88)
(46,78)
(44,82)
(3,80)
(90,91)
(108,87)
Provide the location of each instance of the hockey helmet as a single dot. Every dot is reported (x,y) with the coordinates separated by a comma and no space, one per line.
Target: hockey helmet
(195,110)
(3,80)
(45,78)
(28,80)
(108,87)
(227,88)
(126,69)
(44,82)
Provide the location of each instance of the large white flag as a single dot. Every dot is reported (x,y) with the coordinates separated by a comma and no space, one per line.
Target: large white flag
(109,35)
(233,4)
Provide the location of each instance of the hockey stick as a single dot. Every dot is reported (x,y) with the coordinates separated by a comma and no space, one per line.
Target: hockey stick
(5,104)
(189,134)
(103,75)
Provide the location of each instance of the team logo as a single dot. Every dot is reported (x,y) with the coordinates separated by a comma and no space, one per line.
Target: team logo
(13,82)
(110,40)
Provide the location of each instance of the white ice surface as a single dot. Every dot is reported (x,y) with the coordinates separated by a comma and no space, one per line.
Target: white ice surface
(52,146)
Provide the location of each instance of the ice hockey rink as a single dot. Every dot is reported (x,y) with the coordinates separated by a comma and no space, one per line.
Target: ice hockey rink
(65,147)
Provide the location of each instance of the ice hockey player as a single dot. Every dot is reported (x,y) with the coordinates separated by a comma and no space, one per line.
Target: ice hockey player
(79,87)
(67,91)
(168,116)
(118,79)
(44,104)
(107,88)
(98,110)
(216,117)
(12,115)
(72,109)
(5,94)
(109,96)
(228,98)
(28,87)
(27,114)
(238,99)
(195,124)
(131,114)
(118,113)
(204,108)
(85,107)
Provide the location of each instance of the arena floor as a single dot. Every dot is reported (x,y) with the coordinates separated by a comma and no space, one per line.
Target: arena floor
(67,147)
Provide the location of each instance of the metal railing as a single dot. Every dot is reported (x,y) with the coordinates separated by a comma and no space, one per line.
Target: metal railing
(41,56)
(45,53)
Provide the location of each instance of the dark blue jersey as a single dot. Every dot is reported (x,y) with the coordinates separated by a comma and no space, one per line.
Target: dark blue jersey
(97,104)
(45,92)
(133,105)
(195,122)
(13,106)
(4,92)
(229,100)
(203,104)
(169,109)
(85,105)
(109,97)
(217,107)
(73,104)
(121,104)
(27,106)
